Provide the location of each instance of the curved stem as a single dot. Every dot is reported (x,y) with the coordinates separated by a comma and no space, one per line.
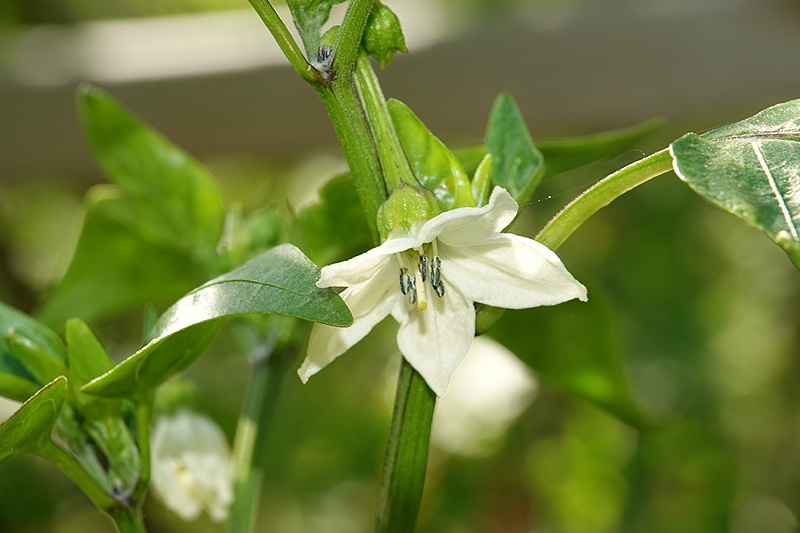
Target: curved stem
(251,435)
(600,195)
(144,408)
(129,520)
(406,455)
(286,42)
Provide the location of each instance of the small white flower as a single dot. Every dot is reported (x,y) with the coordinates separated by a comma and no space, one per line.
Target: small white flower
(191,466)
(429,279)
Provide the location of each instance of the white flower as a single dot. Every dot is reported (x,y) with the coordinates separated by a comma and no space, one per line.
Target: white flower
(489,391)
(429,279)
(191,466)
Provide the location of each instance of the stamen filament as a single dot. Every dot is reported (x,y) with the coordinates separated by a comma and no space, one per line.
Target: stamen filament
(422,303)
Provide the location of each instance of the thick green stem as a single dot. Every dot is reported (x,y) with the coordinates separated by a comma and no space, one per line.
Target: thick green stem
(251,436)
(286,42)
(406,455)
(600,195)
(348,40)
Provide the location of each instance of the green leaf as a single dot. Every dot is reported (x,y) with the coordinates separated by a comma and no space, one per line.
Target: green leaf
(334,229)
(87,361)
(434,165)
(309,17)
(43,366)
(576,346)
(167,197)
(16,381)
(482,181)
(750,169)
(33,421)
(383,36)
(281,281)
(517,165)
(114,270)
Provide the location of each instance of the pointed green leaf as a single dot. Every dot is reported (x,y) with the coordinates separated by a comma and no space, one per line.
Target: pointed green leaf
(434,165)
(576,346)
(114,270)
(281,281)
(517,165)
(16,381)
(43,366)
(167,197)
(33,421)
(750,169)
(482,181)
(309,17)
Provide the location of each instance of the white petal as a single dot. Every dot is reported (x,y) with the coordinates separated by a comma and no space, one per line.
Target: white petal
(362,268)
(436,340)
(370,303)
(510,271)
(472,224)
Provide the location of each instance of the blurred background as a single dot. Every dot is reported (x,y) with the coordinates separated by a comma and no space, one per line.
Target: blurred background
(701,309)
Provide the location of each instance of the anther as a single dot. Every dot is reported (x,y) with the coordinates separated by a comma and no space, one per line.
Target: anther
(436,271)
(420,279)
(412,290)
(403,286)
(439,289)
(423,267)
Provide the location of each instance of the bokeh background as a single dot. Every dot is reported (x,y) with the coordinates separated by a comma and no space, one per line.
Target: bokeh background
(702,310)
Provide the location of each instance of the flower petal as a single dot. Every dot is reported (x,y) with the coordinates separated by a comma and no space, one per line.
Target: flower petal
(362,268)
(471,224)
(370,302)
(436,340)
(510,271)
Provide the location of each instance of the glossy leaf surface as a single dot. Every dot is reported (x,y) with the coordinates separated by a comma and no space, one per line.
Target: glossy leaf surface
(750,169)
(434,165)
(17,382)
(281,281)
(33,421)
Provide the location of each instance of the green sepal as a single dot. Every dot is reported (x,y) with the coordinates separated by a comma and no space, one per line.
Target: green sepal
(281,281)
(383,36)
(517,165)
(406,207)
(434,165)
(33,421)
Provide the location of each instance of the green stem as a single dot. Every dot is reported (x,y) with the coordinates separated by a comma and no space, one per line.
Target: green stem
(600,195)
(129,520)
(351,128)
(250,442)
(406,455)
(391,156)
(64,461)
(144,411)
(348,40)
(286,42)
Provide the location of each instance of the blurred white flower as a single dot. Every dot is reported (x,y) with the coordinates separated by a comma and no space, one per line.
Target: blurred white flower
(191,466)
(489,391)
(7,408)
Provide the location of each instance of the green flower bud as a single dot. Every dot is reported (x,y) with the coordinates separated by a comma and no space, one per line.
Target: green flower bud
(383,37)
(406,206)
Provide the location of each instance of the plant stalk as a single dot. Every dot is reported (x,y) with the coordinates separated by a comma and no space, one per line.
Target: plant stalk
(251,438)
(600,195)
(406,455)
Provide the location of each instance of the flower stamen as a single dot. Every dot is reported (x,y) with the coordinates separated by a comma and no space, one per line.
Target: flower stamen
(420,279)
